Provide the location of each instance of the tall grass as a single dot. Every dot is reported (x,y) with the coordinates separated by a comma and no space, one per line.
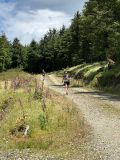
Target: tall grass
(50,127)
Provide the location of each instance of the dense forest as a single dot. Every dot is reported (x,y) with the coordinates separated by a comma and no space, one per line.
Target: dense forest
(94,35)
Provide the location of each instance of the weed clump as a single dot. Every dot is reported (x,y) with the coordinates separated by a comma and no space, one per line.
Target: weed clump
(43,121)
(37,95)
(5,106)
(9,102)
(38,91)
(18,130)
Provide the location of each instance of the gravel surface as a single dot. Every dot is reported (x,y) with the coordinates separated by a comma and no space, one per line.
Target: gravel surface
(24,155)
(102,112)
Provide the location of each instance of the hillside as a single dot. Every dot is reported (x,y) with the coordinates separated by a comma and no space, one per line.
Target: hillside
(95,75)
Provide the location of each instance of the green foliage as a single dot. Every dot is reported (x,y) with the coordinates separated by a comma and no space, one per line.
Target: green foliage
(96,75)
(5,53)
(111,77)
(43,121)
(93,36)
(18,54)
(7,103)
(75,46)
(107,78)
(18,109)
(37,95)
(33,57)
(103,31)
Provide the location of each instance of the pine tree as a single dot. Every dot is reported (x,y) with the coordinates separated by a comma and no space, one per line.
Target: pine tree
(18,55)
(5,54)
(33,57)
(76,40)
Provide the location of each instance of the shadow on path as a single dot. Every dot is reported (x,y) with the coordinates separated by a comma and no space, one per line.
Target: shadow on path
(100,95)
(57,85)
(79,86)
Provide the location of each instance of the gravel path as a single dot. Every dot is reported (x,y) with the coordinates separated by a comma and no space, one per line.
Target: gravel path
(102,112)
(26,154)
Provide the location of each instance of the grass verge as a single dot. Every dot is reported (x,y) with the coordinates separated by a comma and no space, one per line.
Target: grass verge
(59,126)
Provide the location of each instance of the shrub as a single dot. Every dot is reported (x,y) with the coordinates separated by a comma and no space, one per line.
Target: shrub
(107,78)
(37,95)
(43,121)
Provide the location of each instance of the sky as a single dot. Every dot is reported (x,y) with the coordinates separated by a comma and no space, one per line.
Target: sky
(31,19)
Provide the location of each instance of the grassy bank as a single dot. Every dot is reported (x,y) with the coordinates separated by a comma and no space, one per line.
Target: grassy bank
(96,75)
(53,121)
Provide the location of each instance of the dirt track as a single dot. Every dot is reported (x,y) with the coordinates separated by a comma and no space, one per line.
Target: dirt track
(102,112)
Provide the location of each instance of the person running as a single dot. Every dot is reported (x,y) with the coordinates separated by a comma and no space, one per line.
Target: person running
(66,80)
(43,74)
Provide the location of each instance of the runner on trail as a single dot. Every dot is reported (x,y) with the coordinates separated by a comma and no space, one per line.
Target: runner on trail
(43,75)
(66,80)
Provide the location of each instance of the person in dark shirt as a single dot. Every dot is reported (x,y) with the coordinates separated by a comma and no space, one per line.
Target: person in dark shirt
(43,74)
(66,80)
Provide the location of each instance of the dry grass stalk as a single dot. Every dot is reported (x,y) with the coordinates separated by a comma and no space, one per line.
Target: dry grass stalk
(43,104)
(29,91)
(12,85)
(42,85)
(6,85)
(37,86)
(48,94)
(43,97)
(22,108)
(2,114)
(20,82)
(40,93)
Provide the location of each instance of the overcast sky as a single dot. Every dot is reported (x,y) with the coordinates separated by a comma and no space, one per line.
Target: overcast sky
(31,19)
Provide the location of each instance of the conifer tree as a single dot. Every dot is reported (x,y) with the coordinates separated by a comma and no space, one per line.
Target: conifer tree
(5,53)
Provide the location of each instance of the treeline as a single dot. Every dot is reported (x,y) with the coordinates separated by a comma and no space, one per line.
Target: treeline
(12,55)
(94,35)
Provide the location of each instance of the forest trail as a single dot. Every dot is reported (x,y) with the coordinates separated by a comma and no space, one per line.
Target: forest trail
(102,112)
